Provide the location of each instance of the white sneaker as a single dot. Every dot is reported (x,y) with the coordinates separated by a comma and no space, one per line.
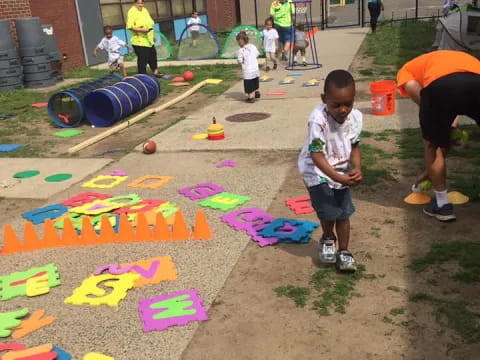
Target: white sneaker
(327,250)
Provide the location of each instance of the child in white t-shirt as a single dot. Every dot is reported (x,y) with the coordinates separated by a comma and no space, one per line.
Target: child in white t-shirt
(270,44)
(330,164)
(194,21)
(247,56)
(112,45)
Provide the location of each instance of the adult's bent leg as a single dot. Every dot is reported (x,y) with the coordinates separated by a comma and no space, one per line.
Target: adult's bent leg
(436,165)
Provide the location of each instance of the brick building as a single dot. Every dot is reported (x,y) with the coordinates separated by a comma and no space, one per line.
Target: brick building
(77,23)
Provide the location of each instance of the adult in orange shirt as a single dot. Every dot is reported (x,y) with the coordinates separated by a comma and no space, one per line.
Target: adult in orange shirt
(444,84)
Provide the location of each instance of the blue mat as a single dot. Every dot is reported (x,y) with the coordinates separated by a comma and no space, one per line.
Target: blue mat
(9,147)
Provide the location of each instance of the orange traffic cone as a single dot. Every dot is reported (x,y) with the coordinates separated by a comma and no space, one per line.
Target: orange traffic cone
(11,243)
(107,234)
(125,230)
(143,229)
(70,236)
(180,230)
(162,232)
(50,236)
(89,236)
(201,231)
(31,241)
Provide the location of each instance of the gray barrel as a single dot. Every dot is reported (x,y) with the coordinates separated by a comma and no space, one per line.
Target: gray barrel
(36,60)
(30,34)
(8,54)
(10,80)
(40,83)
(45,75)
(6,40)
(28,69)
(6,64)
(11,71)
(51,45)
(34,51)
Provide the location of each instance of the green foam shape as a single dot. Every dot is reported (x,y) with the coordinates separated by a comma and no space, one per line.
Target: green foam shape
(26,174)
(224,201)
(9,321)
(133,199)
(68,133)
(7,291)
(58,177)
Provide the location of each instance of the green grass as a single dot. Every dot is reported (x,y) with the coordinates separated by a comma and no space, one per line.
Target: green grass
(375,231)
(329,291)
(388,221)
(455,315)
(395,45)
(299,295)
(372,171)
(397,311)
(466,254)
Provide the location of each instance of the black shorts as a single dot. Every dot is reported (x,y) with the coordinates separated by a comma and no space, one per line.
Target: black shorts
(251,85)
(195,34)
(444,99)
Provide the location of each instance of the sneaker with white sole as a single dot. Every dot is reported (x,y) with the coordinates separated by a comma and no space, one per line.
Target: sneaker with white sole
(345,261)
(444,213)
(327,250)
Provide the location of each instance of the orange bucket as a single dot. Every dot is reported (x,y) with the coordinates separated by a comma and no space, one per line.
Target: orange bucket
(383,97)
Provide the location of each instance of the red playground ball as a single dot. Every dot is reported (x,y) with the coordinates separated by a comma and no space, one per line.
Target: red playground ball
(149,147)
(188,75)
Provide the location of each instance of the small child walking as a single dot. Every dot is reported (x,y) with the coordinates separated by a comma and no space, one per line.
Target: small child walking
(301,44)
(330,164)
(194,22)
(247,56)
(270,44)
(112,45)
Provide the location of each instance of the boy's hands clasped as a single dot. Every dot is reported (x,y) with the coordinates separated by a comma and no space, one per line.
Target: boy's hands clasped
(353,178)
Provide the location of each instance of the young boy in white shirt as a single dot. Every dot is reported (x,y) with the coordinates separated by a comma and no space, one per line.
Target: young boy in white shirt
(112,45)
(330,164)
(247,56)
(270,44)
(194,22)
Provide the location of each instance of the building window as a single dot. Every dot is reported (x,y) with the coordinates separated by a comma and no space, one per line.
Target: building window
(114,12)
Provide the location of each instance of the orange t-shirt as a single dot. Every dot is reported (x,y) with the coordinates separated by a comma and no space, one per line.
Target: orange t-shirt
(432,66)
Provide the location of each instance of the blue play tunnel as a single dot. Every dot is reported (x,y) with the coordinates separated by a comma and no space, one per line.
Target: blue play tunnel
(66,108)
(104,107)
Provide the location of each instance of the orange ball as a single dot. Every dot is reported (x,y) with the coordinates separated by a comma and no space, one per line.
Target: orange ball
(149,147)
(188,75)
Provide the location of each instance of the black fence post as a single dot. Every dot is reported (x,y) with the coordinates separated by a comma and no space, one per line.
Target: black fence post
(323,14)
(416,10)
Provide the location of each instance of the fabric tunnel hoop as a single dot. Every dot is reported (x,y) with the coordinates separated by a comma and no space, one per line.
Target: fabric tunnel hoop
(204,29)
(230,48)
(66,108)
(106,106)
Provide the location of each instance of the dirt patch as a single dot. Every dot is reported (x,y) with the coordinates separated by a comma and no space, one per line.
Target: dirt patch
(248,320)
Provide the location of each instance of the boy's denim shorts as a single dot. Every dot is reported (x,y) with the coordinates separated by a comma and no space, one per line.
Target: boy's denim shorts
(331,204)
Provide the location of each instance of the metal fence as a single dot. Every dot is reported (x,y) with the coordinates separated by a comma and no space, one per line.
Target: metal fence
(342,13)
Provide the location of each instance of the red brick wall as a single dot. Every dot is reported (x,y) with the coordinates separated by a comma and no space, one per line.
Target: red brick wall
(62,14)
(14,10)
(222,14)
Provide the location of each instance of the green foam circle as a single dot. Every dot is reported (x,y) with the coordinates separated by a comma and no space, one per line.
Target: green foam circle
(58,177)
(26,174)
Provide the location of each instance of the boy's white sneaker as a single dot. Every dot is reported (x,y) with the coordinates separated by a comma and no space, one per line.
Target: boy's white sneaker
(327,250)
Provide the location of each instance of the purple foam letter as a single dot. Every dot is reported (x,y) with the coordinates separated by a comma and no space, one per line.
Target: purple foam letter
(201,191)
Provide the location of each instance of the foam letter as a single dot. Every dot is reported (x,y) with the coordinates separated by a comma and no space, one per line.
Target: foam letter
(175,309)
(201,191)
(35,322)
(42,352)
(89,293)
(37,286)
(9,321)
(85,198)
(224,201)
(38,216)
